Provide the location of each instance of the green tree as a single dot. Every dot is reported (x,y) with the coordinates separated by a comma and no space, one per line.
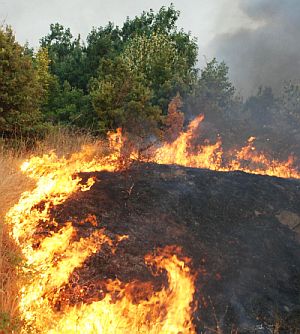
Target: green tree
(44,77)
(153,48)
(164,68)
(121,99)
(213,95)
(103,42)
(162,22)
(68,102)
(156,61)
(215,86)
(67,56)
(150,22)
(70,106)
(20,92)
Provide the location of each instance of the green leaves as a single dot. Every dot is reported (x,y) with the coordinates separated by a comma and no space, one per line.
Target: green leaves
(213,93)
(117,91)
(214,84)
(20,90)
(148,23)
(132,71)
(67,56)
(164,58)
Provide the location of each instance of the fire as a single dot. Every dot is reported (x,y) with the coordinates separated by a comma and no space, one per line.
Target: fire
(208,156)
(211,156)
(167,311)
(53,255)
(52,252)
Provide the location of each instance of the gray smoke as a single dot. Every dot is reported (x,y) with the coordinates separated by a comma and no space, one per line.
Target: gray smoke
(267,55)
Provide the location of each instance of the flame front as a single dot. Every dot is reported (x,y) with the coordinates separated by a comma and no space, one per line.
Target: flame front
(52,259)
(211,156)
(52,253)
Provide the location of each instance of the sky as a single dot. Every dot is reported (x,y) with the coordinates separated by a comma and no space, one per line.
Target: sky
(254,37)
(31,18)
(269,54)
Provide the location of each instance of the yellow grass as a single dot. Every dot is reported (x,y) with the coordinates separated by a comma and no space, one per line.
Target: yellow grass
(12,185)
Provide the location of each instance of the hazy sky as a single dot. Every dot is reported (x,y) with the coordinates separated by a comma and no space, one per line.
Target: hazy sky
(204,18)
(268,55)
(258,39)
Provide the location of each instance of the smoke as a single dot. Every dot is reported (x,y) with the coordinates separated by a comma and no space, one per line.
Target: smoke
(268,54)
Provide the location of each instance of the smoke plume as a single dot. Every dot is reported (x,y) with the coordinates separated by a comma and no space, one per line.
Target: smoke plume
(268,54)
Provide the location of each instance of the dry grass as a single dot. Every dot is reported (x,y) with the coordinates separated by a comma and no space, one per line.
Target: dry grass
(12,185)
(63,142)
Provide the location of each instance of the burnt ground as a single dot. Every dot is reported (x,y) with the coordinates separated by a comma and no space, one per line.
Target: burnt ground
(240,231)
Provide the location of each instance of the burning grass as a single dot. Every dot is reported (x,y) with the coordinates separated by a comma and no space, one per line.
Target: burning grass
(49,251)
(52,257)
(12,184)
(185,151)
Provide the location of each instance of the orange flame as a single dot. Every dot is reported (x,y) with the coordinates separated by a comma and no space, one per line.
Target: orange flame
(51,261)
(211,156)
(167,311)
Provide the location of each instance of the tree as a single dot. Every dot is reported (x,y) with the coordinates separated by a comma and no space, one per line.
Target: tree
(120,98)
(290,103)
(103,42)
(213,94)
(67,56)
(163,22)
(20,91)
(70,106)
(164,69)
(261,107)
(44,77)
(165,55)
(148,23)
(174,120)
(214,84)
(68,102)
(156,62)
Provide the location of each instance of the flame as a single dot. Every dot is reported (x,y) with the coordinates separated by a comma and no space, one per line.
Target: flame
(53,255)
(167,311)
(211,156)
(52,252)
(208,156)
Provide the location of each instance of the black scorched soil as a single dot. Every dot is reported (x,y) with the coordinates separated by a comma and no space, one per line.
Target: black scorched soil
(240,231)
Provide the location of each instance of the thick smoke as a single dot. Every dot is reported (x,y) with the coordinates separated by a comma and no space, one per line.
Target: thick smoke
(266,55)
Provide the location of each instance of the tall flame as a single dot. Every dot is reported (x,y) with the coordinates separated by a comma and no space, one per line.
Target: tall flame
(52,259)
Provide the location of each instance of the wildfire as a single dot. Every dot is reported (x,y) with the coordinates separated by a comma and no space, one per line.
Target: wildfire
(50,260)
(52,252)
(211,156)
(167,311)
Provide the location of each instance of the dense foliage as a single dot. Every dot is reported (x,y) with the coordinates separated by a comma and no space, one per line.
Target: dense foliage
(22,88)
(127,77)
(121,74)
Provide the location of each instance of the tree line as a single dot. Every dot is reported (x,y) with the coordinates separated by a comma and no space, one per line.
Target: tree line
(127,77)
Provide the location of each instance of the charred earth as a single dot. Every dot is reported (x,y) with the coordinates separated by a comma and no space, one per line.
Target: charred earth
(240,230)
